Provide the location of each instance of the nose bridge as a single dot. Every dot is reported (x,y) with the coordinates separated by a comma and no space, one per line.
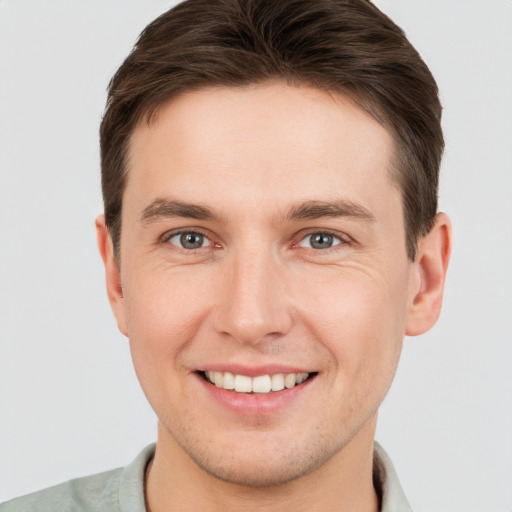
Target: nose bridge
(253,306)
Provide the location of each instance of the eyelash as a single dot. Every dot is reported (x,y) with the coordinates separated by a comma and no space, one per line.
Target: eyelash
(167,237)
(341,239)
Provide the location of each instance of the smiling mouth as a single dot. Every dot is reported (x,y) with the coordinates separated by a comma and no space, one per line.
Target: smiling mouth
(261,384)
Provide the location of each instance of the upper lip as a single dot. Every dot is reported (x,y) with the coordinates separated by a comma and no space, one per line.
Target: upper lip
(254,371)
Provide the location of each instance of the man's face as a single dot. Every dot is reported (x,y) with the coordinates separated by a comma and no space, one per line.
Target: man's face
(262,236)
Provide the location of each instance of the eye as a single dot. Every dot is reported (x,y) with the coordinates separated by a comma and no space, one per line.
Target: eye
(320,240)
(189,240)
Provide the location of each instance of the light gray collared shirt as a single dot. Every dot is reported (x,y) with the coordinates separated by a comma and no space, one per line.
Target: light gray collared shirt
(122,490)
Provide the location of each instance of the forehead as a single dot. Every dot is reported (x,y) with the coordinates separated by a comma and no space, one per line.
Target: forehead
(260,145)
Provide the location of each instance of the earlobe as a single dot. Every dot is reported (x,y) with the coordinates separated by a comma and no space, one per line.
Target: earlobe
(112,274)
(430,266)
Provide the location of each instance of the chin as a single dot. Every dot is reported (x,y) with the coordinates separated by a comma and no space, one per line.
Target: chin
(262,472)
(261,460)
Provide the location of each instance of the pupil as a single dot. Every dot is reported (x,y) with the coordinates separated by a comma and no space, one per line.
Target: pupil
(321,241)
(191,240)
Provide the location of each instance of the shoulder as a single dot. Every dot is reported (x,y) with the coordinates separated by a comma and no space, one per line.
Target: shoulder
(116,490)
(95,492)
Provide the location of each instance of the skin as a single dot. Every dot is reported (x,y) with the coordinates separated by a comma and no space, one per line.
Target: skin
(257,293)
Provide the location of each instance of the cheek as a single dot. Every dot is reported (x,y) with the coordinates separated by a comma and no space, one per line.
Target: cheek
(164,314)
(360,318)
(164,317)
(161,300)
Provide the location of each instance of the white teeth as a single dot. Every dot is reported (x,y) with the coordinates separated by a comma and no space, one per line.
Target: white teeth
(301,377)
(243,384)
(277,382)
(261,384)
(218,379)
(229,381)
(290,380)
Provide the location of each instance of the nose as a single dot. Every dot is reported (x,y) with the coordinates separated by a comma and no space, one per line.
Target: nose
(253,305)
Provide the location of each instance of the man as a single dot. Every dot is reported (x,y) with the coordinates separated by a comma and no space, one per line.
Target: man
(271,233)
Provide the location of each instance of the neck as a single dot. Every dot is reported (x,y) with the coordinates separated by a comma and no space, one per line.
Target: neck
(343,484)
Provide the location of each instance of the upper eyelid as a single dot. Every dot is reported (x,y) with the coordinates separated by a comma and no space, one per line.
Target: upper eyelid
(164,240)
(313,231)
(342,241)
(295,239)
(174,235)
(167,235)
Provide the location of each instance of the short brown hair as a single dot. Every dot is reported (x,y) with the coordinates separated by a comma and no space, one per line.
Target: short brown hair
(345,46)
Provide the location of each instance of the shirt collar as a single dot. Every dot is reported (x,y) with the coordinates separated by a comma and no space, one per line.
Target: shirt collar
(385,480)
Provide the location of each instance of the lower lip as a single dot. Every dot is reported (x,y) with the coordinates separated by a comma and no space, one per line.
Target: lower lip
(254,404)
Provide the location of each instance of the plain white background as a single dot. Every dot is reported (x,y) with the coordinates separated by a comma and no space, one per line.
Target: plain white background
(70,402)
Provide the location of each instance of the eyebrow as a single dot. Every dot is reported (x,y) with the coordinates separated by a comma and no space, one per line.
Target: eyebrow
(311,210)
(165,208)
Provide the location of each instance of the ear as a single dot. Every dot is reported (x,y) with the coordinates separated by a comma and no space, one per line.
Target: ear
(112,274)
(430,267)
